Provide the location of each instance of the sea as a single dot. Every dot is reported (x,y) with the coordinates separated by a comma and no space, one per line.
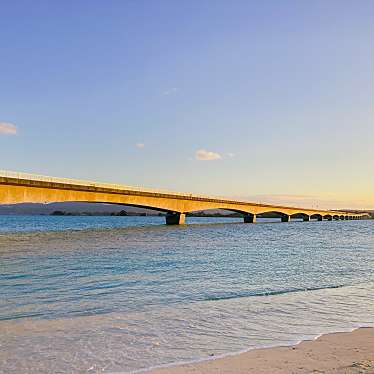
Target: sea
(118,295)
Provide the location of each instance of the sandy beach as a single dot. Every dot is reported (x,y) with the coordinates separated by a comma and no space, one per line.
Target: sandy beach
(342,353)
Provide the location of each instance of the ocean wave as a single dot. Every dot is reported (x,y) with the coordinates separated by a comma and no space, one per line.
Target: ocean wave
(239,295)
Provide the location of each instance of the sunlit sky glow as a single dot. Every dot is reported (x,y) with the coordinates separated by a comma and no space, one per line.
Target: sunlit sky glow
(267,100)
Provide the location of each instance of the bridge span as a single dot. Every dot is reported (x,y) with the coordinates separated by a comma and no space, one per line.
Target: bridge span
(21,188)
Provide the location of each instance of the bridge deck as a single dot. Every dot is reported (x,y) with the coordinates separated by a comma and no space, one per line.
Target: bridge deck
(22,187)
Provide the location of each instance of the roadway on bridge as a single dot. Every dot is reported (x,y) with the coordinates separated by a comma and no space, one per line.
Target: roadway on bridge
(30,188)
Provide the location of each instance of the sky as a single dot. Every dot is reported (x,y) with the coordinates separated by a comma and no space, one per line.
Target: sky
(270,100)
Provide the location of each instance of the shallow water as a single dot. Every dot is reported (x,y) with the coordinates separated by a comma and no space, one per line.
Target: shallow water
(118,294)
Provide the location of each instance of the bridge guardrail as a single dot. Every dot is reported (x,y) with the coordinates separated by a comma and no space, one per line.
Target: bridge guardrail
(121,187)
(83,182)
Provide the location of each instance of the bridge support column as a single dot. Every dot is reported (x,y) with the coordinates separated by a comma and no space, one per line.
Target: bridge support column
(286,218)
(249,218)
(306,218)
(175,218)
(329,218)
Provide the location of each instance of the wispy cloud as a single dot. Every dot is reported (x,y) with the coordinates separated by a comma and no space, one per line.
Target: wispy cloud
(286,199)
(307,201)
(289,196)
(204,155)
(170,91)
(8,128)
(231,155)
(140,145)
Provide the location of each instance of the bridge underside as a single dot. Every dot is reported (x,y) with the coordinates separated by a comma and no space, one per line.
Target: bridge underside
(175,205)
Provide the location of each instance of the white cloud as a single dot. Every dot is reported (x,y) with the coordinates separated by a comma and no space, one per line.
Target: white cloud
(170,91)
(8,128)
(204,155)
(140,145)
(231,155)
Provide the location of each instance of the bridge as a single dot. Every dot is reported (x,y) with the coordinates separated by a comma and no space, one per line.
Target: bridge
(30,188)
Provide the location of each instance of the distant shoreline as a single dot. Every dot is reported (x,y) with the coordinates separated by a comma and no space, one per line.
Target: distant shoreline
(125,213)
(102,209)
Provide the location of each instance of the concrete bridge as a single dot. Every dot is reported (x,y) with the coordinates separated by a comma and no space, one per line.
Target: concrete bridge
(21,188)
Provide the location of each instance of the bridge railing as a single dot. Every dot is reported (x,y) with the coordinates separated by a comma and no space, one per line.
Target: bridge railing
(121,187)
(82,182)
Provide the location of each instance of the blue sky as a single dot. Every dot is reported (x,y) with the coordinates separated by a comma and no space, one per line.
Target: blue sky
(270,100)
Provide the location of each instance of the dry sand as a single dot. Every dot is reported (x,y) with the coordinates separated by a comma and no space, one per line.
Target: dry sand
(342,353)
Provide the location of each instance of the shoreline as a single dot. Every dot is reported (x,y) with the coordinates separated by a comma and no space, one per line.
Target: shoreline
(349,352)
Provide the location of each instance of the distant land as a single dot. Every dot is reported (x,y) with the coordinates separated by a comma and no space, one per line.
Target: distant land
(101,209)
(70,207)
(92,209)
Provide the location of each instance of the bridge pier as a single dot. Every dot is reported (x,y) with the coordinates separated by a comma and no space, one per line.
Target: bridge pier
(175,218)
(306,218)
(249,218)
(286,218)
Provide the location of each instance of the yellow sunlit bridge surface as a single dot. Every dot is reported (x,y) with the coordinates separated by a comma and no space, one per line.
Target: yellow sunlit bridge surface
(30,188)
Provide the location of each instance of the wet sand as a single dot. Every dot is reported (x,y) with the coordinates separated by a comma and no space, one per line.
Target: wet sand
(340,353)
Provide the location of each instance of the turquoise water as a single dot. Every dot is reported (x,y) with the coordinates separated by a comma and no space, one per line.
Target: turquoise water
(120,294)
